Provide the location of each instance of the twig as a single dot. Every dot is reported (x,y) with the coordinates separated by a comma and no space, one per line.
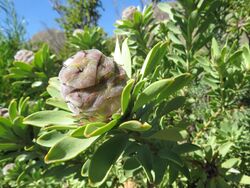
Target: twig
(206,125)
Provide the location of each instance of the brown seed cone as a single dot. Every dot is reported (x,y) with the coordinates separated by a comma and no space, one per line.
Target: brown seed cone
(92,83)
(24,56)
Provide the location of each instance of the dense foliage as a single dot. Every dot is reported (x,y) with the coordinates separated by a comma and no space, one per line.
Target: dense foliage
(77,14)
(181,86)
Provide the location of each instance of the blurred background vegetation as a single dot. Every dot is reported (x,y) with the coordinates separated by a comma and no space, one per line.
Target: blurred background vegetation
(202,39)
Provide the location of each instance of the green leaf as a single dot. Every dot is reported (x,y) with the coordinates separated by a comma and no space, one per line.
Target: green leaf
(235,57)
(126,58)
(58,172)
(5,130)
(183,169)
(178,83)
(156,73)
(192,21)
(98,128)
(49,117)
(231,163)
(159,166)
(126,95)
(13,110)
(172,27)
(36,84)
(153,58)
(19,128)
(138,87)
(173,173)
(246,57)
(41,57)
(134,125)
(144,157)
(23,105)
(215,49)
(117,53)
(105,157)
(50,139)
(187,4)
(165,7)
(5,122)
(170,134)
(171,156)
(61,127)
(185,148)
(20,73)
(221,183)
(54,81)
(85,168)
(54,88)
(225,148)
(79,132)
(54,92)
(211,183)
(68,148)
(137,18)
(245,180)
(38,59)
(174,104)
(131,164)
(174,38)
(23,66)
(9,146)
(151,92)
(56,102)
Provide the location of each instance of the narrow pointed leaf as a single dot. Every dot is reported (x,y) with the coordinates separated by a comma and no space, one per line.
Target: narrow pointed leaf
(126,58)
(215,49)
(9,146)
(144,157)
(117,53)
(151,92)
(79,132)
(85,168)
(13,110)
(153,58)
(178,83)
(126,95)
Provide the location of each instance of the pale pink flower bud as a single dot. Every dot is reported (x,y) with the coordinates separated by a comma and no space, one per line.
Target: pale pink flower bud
(128,13)
(24,56)
(7,168)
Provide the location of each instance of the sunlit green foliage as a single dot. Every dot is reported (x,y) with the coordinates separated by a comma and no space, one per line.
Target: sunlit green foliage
(185,112)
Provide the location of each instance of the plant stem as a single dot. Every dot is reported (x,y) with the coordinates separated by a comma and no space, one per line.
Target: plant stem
(206,125)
